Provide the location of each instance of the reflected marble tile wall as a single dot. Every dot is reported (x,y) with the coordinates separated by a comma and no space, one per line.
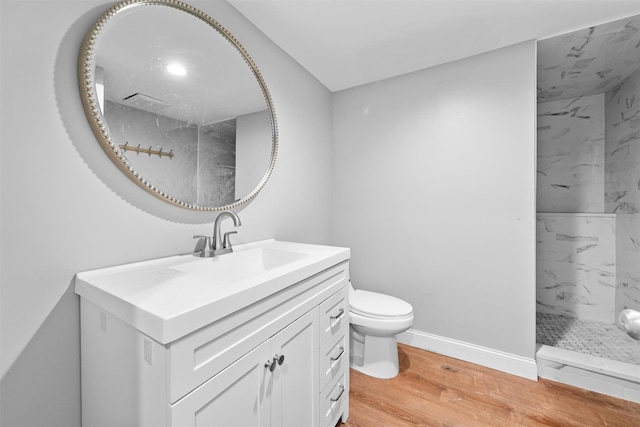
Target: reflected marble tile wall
(217,163)
(576,265)
(628,262)
(202,170)
(174,175)
(571,164)
(622,192)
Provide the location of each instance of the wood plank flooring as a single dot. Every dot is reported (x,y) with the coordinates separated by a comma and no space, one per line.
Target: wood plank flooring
(434,390)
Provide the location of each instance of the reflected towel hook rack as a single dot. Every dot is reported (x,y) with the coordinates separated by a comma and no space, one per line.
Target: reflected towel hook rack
(150,151)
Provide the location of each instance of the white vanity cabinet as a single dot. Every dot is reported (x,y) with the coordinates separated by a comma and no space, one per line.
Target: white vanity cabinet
(256,390)
(280,360)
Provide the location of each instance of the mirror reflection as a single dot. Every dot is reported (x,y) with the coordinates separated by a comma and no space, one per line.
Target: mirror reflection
(185,110)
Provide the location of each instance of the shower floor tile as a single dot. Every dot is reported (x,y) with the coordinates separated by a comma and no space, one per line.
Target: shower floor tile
(589,337)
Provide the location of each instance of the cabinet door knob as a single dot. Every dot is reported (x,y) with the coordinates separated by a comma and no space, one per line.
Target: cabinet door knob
(271,364)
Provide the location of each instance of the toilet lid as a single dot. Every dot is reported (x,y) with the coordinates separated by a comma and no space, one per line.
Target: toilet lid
(373,304)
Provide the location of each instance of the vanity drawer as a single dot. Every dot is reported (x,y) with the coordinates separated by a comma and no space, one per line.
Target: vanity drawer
(333,356)
(334,314)
(333,399)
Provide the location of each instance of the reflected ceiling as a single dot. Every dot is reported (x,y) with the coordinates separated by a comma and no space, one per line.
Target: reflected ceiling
(140,46)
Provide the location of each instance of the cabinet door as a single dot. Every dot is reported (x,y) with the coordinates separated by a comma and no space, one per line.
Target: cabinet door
(236,396)
(294,398)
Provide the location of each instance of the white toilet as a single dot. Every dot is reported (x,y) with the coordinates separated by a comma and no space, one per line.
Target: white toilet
(375,320)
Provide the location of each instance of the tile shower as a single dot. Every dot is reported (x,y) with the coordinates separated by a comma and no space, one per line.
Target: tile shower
(588,202)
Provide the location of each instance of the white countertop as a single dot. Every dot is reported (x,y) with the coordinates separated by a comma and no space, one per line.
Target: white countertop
(168,298)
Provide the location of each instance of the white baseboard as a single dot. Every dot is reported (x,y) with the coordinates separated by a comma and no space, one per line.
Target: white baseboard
(494,359)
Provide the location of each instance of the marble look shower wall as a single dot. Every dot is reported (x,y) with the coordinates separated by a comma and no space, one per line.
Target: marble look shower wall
(571,164)
(589,61)
(589,161)
(622,189)
(623,146)
(576,265)
(628,262)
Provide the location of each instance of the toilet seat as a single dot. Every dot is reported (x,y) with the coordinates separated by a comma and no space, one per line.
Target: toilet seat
(378,306)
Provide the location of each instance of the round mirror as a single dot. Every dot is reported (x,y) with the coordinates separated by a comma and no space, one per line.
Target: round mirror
(178,105)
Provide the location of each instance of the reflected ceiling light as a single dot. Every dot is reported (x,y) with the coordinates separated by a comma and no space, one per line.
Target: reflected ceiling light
(176,69)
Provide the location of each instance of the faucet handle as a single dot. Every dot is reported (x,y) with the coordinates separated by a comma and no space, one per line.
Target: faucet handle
(207,244)
(226,243)
(206,238)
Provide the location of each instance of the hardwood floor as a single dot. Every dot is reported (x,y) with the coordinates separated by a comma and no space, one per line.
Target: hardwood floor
(434,390)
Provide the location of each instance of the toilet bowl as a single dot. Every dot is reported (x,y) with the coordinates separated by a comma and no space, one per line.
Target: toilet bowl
(375,319)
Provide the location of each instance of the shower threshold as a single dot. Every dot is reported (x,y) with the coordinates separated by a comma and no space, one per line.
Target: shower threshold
(591,355)
(605,376)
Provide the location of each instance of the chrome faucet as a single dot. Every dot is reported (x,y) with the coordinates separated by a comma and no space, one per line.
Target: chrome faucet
(216,244)
(223,245)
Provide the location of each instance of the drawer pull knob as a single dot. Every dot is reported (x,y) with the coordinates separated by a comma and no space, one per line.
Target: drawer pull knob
(339,355)
(340,314)
(280,359)
(336,319)
(335,399)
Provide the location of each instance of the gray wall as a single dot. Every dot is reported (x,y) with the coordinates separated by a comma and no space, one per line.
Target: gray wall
(434,177)
(66,208)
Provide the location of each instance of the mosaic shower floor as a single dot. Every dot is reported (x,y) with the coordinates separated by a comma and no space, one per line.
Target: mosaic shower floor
(588,337)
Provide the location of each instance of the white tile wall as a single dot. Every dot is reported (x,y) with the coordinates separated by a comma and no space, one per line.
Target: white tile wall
(571,164)
(623,147)
(576,265)
(628,262)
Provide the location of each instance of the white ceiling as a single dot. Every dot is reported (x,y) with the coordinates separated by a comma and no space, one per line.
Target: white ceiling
(346,43)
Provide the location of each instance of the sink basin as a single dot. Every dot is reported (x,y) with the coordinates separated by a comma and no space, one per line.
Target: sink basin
(240,264)
(168,298)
